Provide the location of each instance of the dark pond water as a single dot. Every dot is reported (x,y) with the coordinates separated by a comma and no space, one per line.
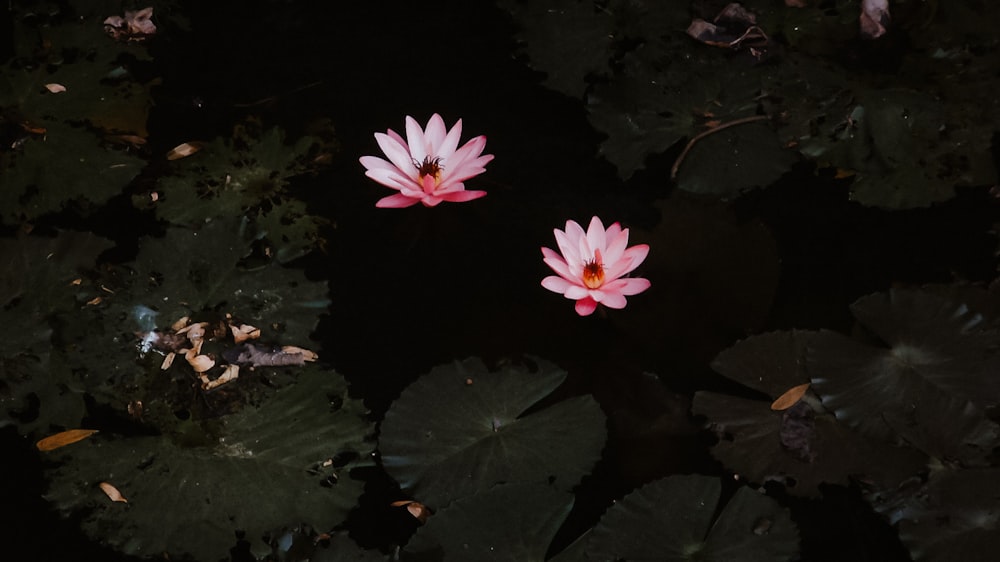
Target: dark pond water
(419,287)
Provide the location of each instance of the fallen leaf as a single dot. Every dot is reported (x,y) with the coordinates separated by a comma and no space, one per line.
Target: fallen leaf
(178,325)
(168,361)
(183,150)
(200,363)
(55,88)
(418,510)
(244,332)
(231,372)
(63,438)
(790,397)
(112,492)
(305,353)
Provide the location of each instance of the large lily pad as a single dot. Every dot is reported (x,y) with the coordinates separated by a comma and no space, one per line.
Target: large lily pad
(247,175)
(951,516)
(801,446)
(680,518)
(511,522)
(42,278)
(462,429)
(909,136)
(59,160)
(268,467)
(189,271)
(928,382)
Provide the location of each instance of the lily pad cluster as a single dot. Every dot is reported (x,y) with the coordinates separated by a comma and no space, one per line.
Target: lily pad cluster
(71,112)
(908,132)
(905,408)
(247,175)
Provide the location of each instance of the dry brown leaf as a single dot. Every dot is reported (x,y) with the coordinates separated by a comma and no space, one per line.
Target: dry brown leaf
(244,332)
(231,372)
(305,353)
(183,150)
(200,363)
(418,510)
(55,88)
(63,438)
(790,397)
(112,492)
(168,361)
(179,324)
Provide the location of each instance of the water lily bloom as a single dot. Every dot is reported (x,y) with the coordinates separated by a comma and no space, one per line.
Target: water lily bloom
(427,167)
(591,267)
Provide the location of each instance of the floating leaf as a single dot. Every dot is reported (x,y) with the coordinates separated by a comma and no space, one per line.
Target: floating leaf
(63,438)
(730,161)
(929,383)
(951,516)
(462,429)
(802,447)
(678,519)
(789,398)
(247,176)
(112,492)
(183,150)
(219,487)
(510,522)
(40,280)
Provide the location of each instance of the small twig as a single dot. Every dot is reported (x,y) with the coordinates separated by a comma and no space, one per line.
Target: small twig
(703,134)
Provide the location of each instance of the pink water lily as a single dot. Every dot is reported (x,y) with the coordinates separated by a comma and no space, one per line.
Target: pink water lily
(427,167)
(592,265)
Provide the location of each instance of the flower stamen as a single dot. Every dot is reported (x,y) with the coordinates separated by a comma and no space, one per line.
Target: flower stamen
(429,167)
(593,272)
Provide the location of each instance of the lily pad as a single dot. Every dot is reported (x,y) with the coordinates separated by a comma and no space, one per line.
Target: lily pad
(59,160)
(42,278)
(189,271)
(510,522)
(247,175)
(568,40)
(929,380)
(270,466)
(679,518)
(803,446)
(951,516)
(729,162)
(462,429)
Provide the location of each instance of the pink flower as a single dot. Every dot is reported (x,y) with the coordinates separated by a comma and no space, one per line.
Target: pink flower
(426,167)
(592,265)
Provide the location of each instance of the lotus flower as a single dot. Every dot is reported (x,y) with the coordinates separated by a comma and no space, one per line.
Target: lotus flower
(592,265)
(426,167)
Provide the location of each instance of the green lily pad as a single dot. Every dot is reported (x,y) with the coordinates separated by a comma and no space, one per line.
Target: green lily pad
(929,380)
(510,522)
(247,175)
(680,518)
(568,40)
(951,516)
(802,446)
(341,548)
(462,429)
(190,271)
(268,467)
(38,283)
(63,162)
(68,167)
(731,161)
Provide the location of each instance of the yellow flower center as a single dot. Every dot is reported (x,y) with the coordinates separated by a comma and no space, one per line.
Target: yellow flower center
(593,272)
